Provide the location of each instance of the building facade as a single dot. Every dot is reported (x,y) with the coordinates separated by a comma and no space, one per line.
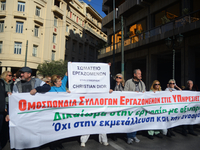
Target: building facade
(149,25)
(46,30)
(83,33)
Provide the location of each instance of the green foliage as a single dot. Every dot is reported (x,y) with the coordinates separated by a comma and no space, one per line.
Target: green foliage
(138,32)
(130,33)
(53,67)
(165,20)
(106,45)
(185,11)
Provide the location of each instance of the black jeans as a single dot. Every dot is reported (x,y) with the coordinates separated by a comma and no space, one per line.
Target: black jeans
(4,131)
(1,125)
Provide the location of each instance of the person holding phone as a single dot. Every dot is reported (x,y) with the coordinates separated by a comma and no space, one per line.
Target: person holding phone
(172,85)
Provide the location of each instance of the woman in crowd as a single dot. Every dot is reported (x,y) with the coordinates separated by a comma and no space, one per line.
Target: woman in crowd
(6,77)
(172,85)
(14,77)
(119,83)
(154,88)
(2,114)
(58,85)
(18,76)
(46,80)
(7,82)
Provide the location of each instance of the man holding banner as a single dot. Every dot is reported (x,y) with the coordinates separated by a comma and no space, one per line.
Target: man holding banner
(137,85)
(29,84)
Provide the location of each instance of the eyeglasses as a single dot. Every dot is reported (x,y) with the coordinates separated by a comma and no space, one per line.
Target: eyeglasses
(156,84)
(171,83)
(9,75)
(119,77)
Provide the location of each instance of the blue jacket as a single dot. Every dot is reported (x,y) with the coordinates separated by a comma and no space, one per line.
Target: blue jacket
(62,88)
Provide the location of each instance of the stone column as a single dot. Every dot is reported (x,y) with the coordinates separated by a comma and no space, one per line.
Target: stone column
(183,82)
(152,68)
(70,45)
(87,52)
(3,69)
(109,39)
(8,68)
(129,70)
(126,29)
(147,72)
(148,19)
(189,63)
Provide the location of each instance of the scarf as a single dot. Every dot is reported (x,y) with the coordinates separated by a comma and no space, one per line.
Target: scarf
(118,87)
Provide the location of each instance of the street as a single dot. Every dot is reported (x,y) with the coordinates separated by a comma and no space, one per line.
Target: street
(174,143)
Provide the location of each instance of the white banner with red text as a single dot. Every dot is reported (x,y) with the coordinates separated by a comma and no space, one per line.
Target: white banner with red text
(43,118)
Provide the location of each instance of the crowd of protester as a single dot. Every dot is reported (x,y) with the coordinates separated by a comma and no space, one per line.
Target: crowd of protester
(22,81)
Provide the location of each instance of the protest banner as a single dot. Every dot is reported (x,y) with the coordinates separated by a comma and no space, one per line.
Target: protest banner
(88,77)
(43,118)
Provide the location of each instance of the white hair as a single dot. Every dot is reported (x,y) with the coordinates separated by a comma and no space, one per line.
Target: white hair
(39,76)
(172,80)
(189,81)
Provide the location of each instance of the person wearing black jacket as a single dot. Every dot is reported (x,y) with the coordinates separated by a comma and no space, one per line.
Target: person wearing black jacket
(6,78)
(2,111)
(116,84)
(7,83)
(27,84)
(189,127)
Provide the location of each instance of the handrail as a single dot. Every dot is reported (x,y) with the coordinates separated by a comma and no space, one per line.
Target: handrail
(179,21)
(174,20)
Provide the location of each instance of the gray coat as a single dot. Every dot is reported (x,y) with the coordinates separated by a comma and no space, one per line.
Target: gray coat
(130,86)
(35,82)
